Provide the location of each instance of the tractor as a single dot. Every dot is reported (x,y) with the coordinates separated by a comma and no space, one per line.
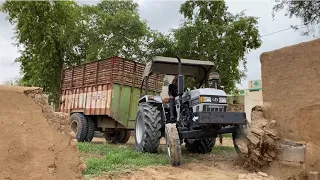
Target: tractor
(200,114)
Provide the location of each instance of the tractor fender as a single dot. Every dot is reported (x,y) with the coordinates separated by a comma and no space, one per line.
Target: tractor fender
(150,99)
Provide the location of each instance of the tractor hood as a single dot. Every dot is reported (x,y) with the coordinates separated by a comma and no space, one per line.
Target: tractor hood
(205,92)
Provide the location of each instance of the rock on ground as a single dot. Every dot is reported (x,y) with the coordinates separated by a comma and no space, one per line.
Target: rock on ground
(256,176)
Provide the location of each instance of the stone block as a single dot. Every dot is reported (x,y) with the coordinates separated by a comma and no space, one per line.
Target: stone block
(292,152)
(313,175)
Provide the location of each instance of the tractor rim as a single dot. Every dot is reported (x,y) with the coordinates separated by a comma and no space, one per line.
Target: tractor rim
(168,144)
(139,129)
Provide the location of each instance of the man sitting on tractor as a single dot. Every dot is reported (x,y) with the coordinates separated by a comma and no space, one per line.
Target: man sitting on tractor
(173,92)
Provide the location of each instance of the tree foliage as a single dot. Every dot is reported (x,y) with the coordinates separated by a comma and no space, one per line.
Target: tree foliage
(211,33)
(53,35)
(307,11)
(48,34)
(114,28)
(57,34)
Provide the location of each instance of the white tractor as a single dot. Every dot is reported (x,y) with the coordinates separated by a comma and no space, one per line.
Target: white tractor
(200,115)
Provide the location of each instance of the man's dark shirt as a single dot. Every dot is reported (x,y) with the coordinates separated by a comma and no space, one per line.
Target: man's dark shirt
(173,90)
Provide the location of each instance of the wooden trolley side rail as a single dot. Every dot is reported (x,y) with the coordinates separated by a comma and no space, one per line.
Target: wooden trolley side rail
(93,88)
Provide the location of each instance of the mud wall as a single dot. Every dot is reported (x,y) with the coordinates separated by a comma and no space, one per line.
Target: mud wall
(291,84)
(235,107)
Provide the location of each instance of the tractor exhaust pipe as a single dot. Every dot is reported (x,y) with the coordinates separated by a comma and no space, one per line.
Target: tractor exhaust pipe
(180,79)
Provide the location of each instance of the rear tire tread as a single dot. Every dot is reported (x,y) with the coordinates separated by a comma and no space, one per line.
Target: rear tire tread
(201,146)
(151,117)
(126,137)
(83,129)
(91,129)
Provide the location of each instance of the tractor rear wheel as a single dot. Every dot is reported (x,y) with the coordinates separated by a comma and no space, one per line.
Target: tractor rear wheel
(200,146)
(147,128)
(173,144)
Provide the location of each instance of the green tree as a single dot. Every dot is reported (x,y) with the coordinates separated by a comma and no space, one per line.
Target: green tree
(114,28)
(48,36)
(54,35)
(161,45)
(307,11)
(211,33)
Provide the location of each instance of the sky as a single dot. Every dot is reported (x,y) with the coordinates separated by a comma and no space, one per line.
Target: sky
(164,15)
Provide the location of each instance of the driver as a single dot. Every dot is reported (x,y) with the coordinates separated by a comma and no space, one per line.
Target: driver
(173,92)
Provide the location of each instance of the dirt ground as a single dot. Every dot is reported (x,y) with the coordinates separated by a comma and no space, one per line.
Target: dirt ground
(207,166)
(31,145)
(225,142)
(195,171)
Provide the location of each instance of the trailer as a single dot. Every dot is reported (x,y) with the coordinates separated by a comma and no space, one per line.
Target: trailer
(102,96)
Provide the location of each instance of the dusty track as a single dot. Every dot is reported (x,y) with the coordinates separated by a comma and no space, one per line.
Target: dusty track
(208,166)
(197,171)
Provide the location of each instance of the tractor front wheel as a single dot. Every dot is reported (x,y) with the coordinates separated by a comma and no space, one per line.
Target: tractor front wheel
(173,144)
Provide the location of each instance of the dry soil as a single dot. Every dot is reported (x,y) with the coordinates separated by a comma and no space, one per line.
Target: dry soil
(33,143)
(207,166)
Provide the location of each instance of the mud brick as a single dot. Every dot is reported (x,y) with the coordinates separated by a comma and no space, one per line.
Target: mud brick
(269,140)
(272,134)
(257,131)
(255,140)
(272,154)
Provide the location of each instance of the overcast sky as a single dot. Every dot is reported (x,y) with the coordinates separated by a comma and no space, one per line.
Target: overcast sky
(164,15)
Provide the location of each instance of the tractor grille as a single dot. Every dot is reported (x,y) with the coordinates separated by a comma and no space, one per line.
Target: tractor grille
(214,108)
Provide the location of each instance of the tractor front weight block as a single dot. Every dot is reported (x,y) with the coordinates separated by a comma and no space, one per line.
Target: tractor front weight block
(201,134)
(223,118)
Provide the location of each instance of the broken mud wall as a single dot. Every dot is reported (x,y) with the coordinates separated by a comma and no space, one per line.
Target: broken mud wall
(235,108)
(291,84)
(35,141)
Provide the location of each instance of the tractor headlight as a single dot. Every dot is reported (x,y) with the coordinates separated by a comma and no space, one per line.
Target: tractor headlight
(222,100)
(204,99)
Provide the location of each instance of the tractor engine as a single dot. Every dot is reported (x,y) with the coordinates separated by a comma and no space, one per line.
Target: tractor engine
(201,100)
(206,100)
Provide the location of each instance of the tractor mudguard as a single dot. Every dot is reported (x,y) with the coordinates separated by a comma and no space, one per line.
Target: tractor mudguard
(151,99)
